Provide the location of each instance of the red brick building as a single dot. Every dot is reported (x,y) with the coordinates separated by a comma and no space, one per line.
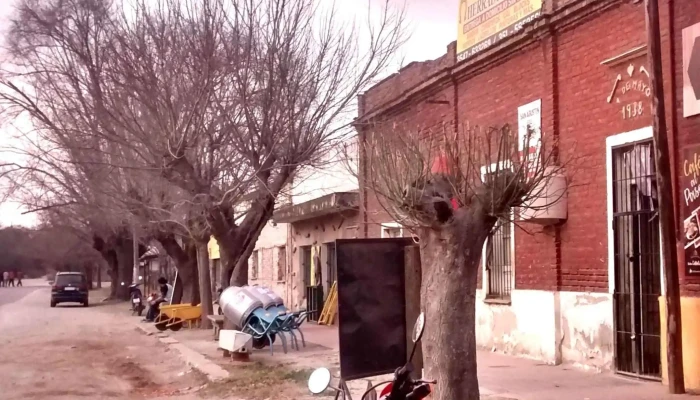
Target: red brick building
(577,291)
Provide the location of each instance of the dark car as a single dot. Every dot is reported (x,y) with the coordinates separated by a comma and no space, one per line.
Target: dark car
(69,287)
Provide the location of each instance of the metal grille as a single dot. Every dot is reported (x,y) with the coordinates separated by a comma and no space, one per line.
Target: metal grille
(499,265)
(306,264)
(255,265)
(331,267)
(281,263)
(314,301)
(637,262)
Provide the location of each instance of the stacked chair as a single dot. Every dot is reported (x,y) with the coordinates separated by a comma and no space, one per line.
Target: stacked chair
(261,313)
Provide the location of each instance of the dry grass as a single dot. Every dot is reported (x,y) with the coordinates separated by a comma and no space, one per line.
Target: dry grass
(258,381)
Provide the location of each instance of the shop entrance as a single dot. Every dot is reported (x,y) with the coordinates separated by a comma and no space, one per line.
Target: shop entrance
(637,261)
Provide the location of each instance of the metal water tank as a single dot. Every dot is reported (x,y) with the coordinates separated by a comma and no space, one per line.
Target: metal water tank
(267,296)
(238,304)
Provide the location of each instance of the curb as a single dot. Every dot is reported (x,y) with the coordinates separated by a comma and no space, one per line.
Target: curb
(210,369)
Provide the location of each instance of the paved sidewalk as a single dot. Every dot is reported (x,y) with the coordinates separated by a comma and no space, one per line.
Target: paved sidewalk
(524,379)
(501,377)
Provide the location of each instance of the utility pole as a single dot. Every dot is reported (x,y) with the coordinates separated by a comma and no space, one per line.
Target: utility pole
(135,240)
(674,343)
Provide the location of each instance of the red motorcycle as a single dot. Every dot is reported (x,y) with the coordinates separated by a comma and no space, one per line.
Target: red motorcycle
(401,387)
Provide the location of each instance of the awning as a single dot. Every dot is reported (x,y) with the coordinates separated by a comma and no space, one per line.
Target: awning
(329,204)
(152,252)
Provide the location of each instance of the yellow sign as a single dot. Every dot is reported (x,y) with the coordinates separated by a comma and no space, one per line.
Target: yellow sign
(213,249)
(484,22)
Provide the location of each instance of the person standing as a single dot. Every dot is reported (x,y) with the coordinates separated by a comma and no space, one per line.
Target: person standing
(2,279)
(19,275)
(11,277)
(6,278)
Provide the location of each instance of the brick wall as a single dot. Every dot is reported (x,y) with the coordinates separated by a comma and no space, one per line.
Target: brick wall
(585,120)
(564,67)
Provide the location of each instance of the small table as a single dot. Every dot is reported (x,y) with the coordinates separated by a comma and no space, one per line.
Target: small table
(218,323)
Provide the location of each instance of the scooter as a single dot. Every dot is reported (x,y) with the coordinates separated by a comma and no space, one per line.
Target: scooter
(402,387)
(136,297)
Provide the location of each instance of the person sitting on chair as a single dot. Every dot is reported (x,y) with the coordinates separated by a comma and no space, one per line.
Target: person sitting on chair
(154,307)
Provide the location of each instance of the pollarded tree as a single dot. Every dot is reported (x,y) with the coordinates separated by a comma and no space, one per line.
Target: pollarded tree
(453,189)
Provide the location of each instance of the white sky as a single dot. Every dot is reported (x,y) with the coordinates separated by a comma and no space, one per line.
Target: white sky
(432,25)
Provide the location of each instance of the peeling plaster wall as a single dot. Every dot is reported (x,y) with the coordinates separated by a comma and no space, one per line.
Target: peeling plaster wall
(555,327)
(272,237)
(316,232)
(587,329)
(526,327)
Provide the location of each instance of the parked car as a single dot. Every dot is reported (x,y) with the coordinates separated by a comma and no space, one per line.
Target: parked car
(69,287)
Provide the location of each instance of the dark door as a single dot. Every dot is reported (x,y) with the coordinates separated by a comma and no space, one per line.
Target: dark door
(314,294)
(637,262)
(306,264)
(371,306)
(331,266)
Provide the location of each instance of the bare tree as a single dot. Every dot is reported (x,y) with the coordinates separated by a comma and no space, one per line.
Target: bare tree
(265,89)
(58,51)
(452,189)
(225,100)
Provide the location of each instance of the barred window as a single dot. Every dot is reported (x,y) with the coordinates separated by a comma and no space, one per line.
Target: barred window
(281,263)
(498,249)
(498,264)
(255,266)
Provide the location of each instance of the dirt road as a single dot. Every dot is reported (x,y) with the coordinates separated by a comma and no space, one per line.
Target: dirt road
(81,353)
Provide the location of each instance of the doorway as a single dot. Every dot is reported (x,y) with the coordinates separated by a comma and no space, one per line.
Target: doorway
(636,261)
(331,271)
(314,292)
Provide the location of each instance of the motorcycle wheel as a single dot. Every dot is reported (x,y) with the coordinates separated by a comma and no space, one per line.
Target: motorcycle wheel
(140,310)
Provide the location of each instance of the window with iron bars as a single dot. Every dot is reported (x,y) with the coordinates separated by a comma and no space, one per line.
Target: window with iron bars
(254,265)
(281,263)
(498,264)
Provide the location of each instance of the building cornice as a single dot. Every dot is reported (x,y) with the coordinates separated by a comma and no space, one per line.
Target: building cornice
(561,19)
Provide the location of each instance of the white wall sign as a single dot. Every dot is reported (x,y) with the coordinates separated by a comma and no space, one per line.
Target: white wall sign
(691,70)
(530,117)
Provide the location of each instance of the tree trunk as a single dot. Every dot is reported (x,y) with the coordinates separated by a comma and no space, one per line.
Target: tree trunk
(187,289)
(236,244)
(98,275)
(240,272)
(189,276)
(87,270)
(450,261)
(212,276)
(204,283)
(99,244)
(113,267)
(125,254)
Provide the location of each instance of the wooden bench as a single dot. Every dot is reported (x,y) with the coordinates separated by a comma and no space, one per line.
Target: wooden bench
(218,323)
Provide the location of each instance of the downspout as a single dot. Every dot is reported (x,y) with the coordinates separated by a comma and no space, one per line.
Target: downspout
(559,334)
(674,128)
(362,157)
